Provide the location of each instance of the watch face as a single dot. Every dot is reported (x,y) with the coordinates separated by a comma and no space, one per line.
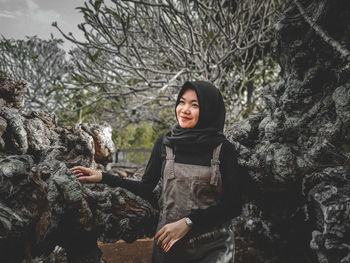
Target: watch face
(188,221)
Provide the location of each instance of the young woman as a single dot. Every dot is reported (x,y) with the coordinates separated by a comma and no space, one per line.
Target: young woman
(199,174)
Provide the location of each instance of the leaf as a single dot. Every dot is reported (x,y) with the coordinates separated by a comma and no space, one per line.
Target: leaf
(95,56)
(347,147)
(97,4)
(85,10)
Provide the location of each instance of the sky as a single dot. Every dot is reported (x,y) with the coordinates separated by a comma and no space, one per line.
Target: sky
(21,18)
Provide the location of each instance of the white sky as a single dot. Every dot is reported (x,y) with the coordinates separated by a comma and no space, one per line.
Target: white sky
(20,18)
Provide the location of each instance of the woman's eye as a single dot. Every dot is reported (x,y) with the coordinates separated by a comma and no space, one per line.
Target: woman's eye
(181,102)
(195,105)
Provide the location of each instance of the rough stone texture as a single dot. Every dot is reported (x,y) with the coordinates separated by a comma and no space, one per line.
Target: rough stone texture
(299,195)
(297,203)
(58,255)
(46,214)
(12,93)
(104,147)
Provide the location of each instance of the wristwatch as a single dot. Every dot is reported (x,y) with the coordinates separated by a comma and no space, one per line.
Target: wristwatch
(188,222)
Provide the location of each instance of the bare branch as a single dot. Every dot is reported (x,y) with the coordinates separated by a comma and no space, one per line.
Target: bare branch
(344,53)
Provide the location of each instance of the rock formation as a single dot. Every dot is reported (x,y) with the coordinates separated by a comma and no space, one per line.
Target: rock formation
(297,203)
(42,205)
(294,149)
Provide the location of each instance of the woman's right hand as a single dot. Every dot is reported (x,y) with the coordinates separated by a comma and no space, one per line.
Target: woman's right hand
(87,175)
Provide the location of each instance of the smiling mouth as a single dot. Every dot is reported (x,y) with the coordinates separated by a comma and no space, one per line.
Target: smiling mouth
(184,118)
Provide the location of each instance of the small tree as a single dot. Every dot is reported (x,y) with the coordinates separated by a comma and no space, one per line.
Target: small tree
(42,63)
(140,51)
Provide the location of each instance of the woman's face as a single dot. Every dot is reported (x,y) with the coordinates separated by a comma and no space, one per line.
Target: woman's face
(187,111)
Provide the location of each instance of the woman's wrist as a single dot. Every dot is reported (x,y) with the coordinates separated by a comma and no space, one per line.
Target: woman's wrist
(188,222)
(99,176)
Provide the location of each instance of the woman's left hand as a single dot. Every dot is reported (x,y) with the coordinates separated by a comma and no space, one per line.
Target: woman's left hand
(169,234)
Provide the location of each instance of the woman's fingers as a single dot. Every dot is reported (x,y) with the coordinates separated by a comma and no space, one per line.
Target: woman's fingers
(85,174)
(169,245)
(168,242)
(81,169)
(82,173)
(165,238)
(165,241)
(159,233)
(161,238)
(76,168)
(169,234)
(79,174)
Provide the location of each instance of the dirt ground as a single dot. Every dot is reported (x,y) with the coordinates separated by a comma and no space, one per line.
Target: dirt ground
(139,251)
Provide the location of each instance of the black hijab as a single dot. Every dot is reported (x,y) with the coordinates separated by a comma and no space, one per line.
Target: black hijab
(208,132)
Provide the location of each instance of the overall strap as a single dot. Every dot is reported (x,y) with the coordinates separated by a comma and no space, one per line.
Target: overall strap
(215,165)
(170,159)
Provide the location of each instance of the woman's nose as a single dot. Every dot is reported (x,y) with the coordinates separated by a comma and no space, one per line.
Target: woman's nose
(186,109)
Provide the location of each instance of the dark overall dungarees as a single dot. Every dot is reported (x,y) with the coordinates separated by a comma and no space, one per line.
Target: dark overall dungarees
(187,187)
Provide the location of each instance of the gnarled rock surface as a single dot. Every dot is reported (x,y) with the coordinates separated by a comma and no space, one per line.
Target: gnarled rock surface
(43,205)
(294,149)
(297,203)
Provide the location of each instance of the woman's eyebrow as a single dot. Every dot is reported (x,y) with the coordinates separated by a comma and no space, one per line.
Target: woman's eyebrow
(182,98)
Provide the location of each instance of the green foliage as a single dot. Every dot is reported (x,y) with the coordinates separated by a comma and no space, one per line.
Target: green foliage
(249,109)
(136,136)
(66,118)
(167,121)
(97,4)
(95,56)
(77,111)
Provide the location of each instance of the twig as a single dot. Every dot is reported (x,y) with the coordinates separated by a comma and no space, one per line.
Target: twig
(332,42)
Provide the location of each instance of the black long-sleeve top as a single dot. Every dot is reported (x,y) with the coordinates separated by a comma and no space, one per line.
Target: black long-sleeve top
(231,174)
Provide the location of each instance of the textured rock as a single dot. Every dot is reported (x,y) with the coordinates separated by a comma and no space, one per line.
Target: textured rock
(294,149)
(297,203)
(12,93)
(46,214)
(104,147)
(16,135)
